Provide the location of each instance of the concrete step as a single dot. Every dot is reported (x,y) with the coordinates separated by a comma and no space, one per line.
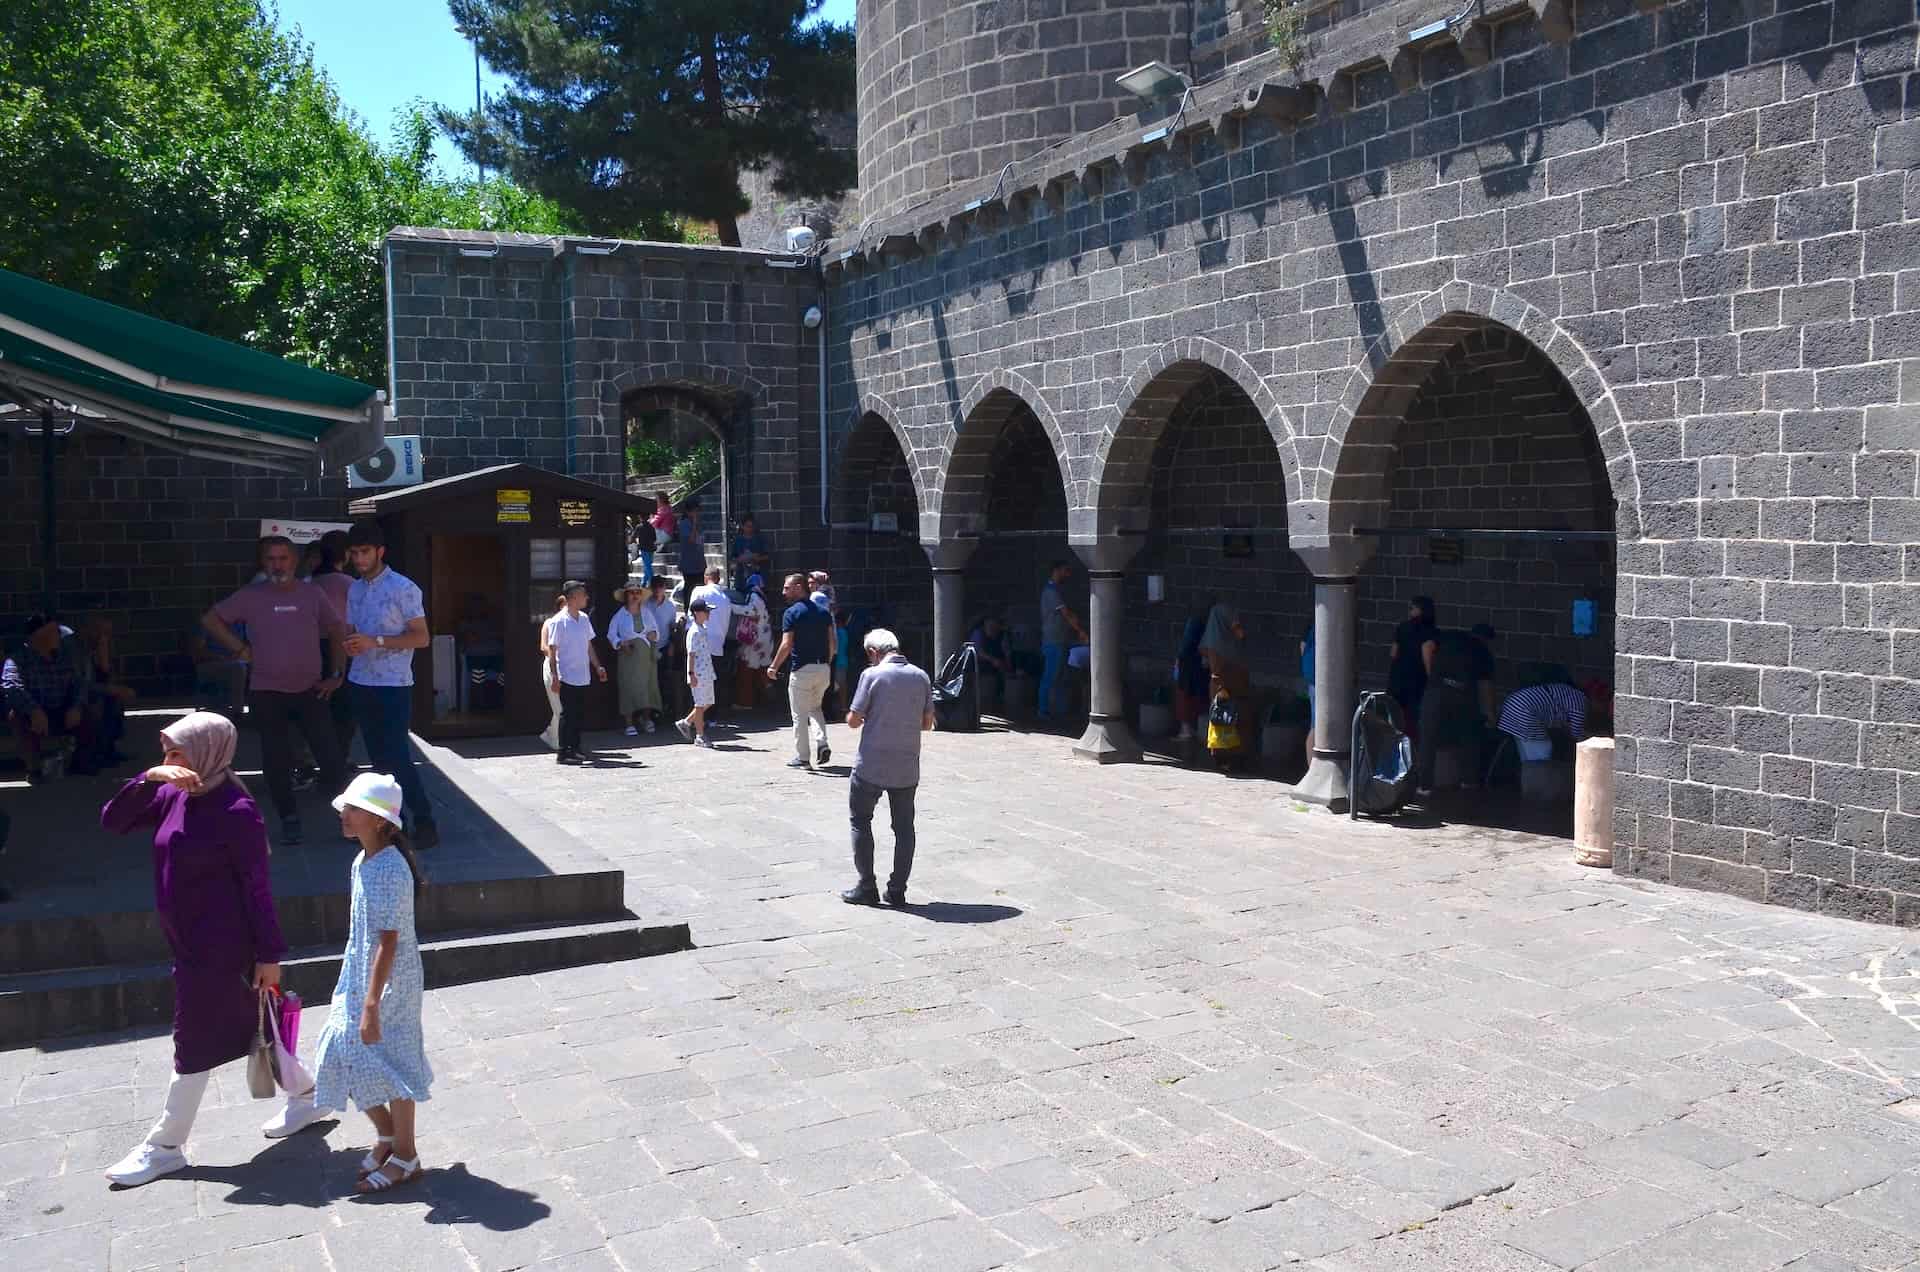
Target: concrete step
(71,942)
(54,1004)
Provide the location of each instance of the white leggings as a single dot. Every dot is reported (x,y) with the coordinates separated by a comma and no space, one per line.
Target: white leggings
(184,1094)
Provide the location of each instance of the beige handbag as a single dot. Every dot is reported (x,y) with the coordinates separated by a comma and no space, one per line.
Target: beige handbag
(260,1067)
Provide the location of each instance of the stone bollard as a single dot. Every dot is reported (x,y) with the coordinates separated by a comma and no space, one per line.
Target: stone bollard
(1593,801)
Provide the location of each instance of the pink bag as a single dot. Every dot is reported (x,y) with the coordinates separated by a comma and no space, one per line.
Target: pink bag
(288,1072)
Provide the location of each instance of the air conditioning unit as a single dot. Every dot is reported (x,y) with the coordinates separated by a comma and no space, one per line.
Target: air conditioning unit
(399,462)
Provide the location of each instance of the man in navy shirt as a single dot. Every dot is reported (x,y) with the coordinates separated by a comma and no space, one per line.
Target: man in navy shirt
(807,638)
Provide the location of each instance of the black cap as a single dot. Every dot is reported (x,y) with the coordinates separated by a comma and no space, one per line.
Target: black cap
(699,605)
(571,586)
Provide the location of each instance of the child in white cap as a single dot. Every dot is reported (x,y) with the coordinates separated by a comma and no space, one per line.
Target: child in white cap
(371,1050)
(700,646)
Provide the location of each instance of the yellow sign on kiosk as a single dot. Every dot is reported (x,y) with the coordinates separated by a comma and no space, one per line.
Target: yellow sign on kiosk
(511,506)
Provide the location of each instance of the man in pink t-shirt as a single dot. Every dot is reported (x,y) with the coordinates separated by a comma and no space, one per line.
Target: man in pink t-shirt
(285,620)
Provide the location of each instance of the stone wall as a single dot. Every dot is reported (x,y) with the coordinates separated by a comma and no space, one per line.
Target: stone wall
(1703,215)
(954,90)
(534,351)
(146,538)
(1496,441)
(1217,474)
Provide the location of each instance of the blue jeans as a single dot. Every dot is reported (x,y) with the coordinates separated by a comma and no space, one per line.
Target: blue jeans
(1056,662)
(384,714)
(646,566)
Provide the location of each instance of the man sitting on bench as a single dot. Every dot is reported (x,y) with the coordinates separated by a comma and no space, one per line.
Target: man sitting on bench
(47,700)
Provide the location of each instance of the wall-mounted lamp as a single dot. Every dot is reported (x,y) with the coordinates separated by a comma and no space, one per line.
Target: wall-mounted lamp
(480,253)
(1154,80)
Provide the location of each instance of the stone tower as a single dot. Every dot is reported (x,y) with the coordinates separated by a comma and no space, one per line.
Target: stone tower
(951,90)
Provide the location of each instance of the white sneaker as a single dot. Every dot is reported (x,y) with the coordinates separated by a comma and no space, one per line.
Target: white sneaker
(145,1164)
(632,732)
(295,1115)
(650,726)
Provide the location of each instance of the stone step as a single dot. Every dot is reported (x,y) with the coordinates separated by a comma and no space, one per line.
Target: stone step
(54,1004)
(72,942)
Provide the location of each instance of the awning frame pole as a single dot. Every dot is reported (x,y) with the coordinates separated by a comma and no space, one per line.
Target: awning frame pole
(49,517)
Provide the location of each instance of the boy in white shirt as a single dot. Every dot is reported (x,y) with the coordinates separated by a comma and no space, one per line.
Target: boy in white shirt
(699,674)
(571,663)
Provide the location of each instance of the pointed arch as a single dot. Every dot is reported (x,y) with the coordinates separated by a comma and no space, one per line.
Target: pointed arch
(862,452)
(1348,484)
(1122,468)
(995,400)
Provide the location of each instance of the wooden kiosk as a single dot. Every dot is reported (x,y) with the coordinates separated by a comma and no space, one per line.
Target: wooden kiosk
(489,550)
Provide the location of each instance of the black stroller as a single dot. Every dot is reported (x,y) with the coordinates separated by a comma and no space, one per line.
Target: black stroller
(956,692)
(1381,776)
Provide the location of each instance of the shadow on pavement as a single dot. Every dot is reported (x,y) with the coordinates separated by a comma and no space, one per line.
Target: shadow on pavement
(457,1195)
(955,912)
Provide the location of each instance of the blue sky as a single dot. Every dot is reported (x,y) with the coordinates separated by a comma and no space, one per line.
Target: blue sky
(381,54)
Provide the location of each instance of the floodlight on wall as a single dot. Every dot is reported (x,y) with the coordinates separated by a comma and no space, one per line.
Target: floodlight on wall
(595,249)
(481,253)
(1154,80)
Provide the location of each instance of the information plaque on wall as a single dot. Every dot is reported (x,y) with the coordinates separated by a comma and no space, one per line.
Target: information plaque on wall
(1236,545)
(513,506)
(575,512)
(1443,551)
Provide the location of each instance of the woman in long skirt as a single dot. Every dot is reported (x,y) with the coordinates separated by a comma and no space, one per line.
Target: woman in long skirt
(636,643)
(215,903)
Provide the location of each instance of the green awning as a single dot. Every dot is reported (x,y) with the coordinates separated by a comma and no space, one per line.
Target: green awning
(172,387)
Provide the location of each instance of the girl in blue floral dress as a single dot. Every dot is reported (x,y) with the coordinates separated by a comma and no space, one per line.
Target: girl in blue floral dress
(371,1051)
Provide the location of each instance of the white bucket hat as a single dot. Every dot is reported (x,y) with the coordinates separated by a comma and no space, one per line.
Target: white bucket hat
(375,792)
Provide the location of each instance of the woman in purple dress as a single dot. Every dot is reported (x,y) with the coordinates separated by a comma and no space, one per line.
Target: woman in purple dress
(211,888)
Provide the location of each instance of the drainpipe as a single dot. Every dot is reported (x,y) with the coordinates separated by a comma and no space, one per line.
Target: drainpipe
(820,334)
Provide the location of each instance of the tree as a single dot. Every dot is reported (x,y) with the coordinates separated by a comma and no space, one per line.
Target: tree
(185,158)
(625,111)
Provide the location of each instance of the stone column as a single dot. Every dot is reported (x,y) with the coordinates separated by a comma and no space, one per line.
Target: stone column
(1107,740)
(949,561)
(1334,631)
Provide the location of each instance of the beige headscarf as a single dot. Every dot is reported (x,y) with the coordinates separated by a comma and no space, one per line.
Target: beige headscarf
(208,741)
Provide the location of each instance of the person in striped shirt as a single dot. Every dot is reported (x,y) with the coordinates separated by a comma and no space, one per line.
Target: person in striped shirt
(1549,702)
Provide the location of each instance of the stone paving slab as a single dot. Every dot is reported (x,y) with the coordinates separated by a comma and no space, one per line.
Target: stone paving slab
(1139,1018)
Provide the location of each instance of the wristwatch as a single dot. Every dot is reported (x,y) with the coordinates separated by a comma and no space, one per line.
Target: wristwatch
(381,641)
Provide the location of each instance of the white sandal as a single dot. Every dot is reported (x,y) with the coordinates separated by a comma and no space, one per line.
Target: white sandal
(378,1182)
(368,1164)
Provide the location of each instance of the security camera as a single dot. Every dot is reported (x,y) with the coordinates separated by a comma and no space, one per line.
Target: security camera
(813,317)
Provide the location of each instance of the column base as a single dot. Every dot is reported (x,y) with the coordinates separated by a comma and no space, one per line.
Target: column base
(1326,781)
(1107,741)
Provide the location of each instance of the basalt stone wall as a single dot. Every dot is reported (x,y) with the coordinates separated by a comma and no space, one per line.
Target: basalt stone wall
(1704,215)
(953,90)
(1496,440)
(1218,478)
(1025,532)
(521,348)
(147,539)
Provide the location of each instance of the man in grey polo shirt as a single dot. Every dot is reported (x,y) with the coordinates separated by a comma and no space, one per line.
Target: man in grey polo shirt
(891,707)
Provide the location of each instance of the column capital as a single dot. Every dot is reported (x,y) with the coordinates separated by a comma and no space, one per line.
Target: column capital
(1110,553)
(948,554)
(1335,559)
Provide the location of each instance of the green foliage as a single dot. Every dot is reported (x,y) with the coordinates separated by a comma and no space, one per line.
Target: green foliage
(647,457)
(698,467)
(1287,30)
(184,158)
(629,112)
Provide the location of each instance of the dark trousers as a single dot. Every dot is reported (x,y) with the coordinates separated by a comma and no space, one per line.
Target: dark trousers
(84,735)
(573,716)
(276,715)
(1449,716)
(385,716)
(340,710)
(862,799)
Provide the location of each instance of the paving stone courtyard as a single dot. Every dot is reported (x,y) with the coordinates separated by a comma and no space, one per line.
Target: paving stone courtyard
(1138,1018)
